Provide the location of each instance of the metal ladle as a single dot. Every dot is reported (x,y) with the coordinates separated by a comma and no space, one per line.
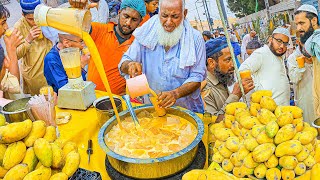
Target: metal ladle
(126,98)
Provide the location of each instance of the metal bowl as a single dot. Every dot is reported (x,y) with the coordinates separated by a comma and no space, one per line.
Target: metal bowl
(17,111)
(316,124)
(104,108)
(153,168)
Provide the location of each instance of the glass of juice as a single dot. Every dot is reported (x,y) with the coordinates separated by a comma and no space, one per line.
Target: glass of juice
(300,61)
(245,74)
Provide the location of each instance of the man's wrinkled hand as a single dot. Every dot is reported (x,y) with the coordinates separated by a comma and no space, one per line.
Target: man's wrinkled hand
(134,69)
(247,84)
(167,99)
(80,4)
(85,60)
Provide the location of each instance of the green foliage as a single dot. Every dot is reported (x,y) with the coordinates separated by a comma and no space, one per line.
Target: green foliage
(243,8)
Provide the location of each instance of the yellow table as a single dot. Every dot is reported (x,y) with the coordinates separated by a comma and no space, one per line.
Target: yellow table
(83,126)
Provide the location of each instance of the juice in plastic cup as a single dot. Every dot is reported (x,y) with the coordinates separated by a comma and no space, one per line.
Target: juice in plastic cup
(8,32)
(40,36)
(300,61)
(245,74)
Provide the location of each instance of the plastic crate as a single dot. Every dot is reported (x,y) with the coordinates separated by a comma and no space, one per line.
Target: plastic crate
(82,174)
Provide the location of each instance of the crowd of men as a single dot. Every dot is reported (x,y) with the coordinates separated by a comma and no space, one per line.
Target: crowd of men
(186,68)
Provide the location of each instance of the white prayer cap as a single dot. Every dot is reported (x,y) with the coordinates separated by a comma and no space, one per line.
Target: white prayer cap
(281,30)
(222,32)
(308,8)
(62,32)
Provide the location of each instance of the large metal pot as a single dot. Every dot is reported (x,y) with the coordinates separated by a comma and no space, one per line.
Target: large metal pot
(153,168)
(17,111)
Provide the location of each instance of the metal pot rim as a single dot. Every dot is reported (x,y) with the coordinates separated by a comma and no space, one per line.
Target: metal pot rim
(105,98)
(314,125)
(194,143)
(26,108)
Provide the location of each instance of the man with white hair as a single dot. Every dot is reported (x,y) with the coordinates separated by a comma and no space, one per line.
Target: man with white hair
(307,22)
(267,67)
(172,56)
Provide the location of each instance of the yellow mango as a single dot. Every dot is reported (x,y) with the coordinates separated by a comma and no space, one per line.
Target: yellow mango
(218,143)
(296,111)
(306,125)
(305,176)
(220,133)
(14,154)
(72,163)
(3,172)
(285,133)
(256,130)
(55,171)
(234,160)
(231,107)
(306,137)
(43,151)
(71,146)
(257,95)
(265,116)
(246,171)
(263,152)
(235,128)
(232,144)
(272,129)
(59,176)
(278,111)
(260,171)
(289,148)
(303,154)
(17,172)
(273,174)
(315,172)
(217,157)
(241,112)
(249,162)
(212,128)
(247,134)
(38,130)
(312,130)
(300,168)
(299,124)
(224,151)
(237,172)
(3,149)
(2,120)
(50,134)
(57,154)
(284,119)
(30,159)
(272,162)
(268,103)
(309,147)
(39,165)
(203,175)
(263,138)
(317,154)
(288,162)
(309,162)
(227,165)
(228,120)
(41,174)
(248,121)
(15,131)
(242,153)
(250,144)
(254,108)
(287,174)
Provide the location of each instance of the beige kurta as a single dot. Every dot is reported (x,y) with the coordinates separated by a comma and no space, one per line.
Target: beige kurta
(32,59)
(316,86)
(302,79)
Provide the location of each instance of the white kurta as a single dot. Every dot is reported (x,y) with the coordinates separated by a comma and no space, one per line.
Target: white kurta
(269,73)
(246,39)
(302,79)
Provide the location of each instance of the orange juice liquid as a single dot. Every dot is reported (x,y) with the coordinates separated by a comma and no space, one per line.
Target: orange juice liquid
(155,103)
(98,63)
(73,72)
(245,74)
(300,61)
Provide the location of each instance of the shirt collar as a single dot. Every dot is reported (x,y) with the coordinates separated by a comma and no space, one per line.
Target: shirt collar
(212,78)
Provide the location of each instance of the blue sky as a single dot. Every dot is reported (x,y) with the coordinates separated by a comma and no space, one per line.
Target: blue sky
(213,10)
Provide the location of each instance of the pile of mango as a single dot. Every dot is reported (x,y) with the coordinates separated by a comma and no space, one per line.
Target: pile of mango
(30,150)
(265,140)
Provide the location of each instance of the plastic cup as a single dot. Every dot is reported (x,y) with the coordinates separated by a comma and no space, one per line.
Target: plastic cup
(245,74)
(8,32)
(300,61)
(138,86)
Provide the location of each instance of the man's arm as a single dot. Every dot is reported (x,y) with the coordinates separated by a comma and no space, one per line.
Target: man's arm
(59,77)
(130,63)
(252,63)
(295,73)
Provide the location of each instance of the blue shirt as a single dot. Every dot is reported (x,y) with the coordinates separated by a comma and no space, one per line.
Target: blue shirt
(163,72)
(53,70)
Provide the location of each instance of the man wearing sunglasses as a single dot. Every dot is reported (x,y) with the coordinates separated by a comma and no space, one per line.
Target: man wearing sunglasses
(267,66)
(53,69)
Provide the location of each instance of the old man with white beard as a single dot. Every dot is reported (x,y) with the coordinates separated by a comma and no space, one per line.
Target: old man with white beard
(172,56)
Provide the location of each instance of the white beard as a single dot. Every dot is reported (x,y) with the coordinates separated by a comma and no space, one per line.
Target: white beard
(169,39)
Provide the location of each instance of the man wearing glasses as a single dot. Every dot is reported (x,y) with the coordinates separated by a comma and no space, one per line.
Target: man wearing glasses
(268,69)
(53,69)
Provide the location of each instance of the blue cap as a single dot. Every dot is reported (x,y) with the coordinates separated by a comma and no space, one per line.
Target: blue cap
(28,6)
(137,5)
(216,45)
